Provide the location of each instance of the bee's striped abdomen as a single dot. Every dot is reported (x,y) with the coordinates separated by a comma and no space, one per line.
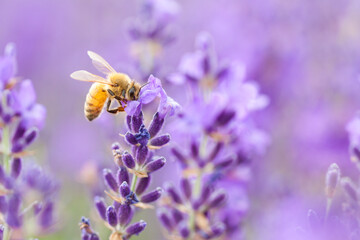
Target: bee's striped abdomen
(95,101)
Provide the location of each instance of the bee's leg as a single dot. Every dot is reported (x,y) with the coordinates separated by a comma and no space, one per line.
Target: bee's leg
(113,111)
(121,108)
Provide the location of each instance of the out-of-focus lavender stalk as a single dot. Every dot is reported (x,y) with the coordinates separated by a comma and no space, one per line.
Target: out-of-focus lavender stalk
(150,32)
(342,224)
(20,119)
(216,147)
(137,164)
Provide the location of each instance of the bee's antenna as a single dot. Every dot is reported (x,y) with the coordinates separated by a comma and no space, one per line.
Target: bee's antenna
(144,85)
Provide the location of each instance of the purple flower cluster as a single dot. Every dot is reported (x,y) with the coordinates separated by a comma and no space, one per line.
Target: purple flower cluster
(139,161)
(215,149)
(23,214)
(18,107)
(150,31)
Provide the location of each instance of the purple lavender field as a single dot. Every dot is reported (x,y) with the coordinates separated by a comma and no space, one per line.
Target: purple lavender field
(195,120)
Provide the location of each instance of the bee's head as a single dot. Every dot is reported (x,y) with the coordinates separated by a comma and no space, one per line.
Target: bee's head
(133,91)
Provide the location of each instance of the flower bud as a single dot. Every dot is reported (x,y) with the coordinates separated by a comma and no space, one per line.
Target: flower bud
(224,163)
(2,175)
(141,154)
(184,230)
(15,167)
(110,180)
(349,188)
(314,221)
(194,149)
(128,122)
(136,228)
(217,230)
(160,141)
(142,185)
(46,215)
(111,216)
(137,122)
(180,157)
(177,215)
(2,229)
(115,146)
(128,160)
(94,236)
(30,135)
(100,206)
(173,193)
(25,141)
(332,179)
(20,130)
(13,219)
(124,214)
(122,175)
(217,199)
(165,220)
(3,204)
(224,117)
(155,165)
(185,186)
(130,138)
(124,189)
(205,193)
(216,150)
(37,207)
(151,196)
(155,125)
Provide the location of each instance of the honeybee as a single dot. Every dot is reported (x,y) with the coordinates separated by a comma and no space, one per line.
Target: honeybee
(118,86)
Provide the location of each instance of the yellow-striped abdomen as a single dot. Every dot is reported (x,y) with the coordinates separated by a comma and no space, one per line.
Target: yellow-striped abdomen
(95,101)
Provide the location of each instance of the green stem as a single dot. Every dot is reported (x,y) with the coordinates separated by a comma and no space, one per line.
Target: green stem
(7,232)
(6,152)
(328,206)
(197,186)
(6,148)
(133,182)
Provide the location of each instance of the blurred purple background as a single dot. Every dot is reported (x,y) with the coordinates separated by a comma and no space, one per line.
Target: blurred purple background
(304,55)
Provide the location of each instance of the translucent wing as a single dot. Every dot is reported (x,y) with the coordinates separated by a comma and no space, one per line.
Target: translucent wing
(100,63)
(83,75)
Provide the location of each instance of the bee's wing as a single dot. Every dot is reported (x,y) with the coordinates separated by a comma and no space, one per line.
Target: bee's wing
(83,75)
(100,63)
